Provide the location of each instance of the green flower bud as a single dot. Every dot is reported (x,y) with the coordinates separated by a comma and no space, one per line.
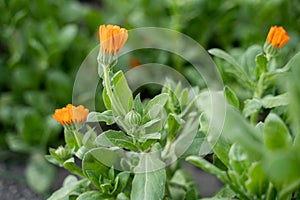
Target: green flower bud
(63,153)
(133,118)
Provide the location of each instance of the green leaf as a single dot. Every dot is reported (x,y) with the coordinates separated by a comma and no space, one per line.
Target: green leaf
(275,101)
(181,178)
(122,196)
(224,194)
(16,143)
(294,89)
(184,97)
(282,168)
(238,158)
(106,116)
(72,137)
(122,91)
(108,157)
(237,129)
(89,138)
(192,193)
(121,181)
(231,97)
(248,59)
(257,183)
(149,179)
(113,138)
(153,126)
(150,136)
(106,100)
(137,105)
(32,128)
(72,167)
(261,65)
(221,149)
(197,145)
(67,35)
(237,71)
(92,195)
(70,186)
(185,137)
(222,54)
(59,85)
(94,167)
(39,170)
(156,104)
(251,106)
(207,166)
(276,134)
(174,123)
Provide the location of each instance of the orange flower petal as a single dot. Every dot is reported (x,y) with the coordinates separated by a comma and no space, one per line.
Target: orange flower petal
(112,38)
(70,114)
(277,36)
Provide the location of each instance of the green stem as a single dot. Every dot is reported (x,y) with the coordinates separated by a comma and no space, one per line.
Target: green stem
(115,105)
(108,87)
(270,192)
(257,94)
(260,86)
(76,136)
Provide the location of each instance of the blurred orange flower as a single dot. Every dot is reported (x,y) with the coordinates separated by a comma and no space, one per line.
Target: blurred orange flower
(277,37)
(70,114)
(112,38)
(134,62)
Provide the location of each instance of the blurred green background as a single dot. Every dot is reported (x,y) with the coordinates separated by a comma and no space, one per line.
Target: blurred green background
(44,42)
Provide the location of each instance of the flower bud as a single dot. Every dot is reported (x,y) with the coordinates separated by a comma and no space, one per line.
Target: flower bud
(276,39)
(62,153)
(133,118)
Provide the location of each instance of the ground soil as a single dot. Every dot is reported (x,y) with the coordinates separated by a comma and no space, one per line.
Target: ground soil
(13,185)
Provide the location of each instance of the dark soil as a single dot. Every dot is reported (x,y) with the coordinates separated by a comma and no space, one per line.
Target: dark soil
(13,185)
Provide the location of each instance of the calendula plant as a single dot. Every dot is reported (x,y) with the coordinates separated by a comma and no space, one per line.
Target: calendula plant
(137,160)
(257,154)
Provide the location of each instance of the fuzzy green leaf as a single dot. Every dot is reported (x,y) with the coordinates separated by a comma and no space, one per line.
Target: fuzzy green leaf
(174,123)
(72,167)
(92,195)
(251,106)
(261,64)
(276,134)
(207,166)
(275,101)
(93,167)
(71,185)
(257,183)
(113,138)
(39,169)
(149,179)
(156,104)
(231,97)
(120,182)
(106,116)
(122,91)
(137,105)
(237,129)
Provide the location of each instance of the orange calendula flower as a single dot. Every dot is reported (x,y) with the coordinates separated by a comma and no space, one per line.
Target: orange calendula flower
(112,38)
(276,39)
(134,62)
(70,114)
(277,36)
